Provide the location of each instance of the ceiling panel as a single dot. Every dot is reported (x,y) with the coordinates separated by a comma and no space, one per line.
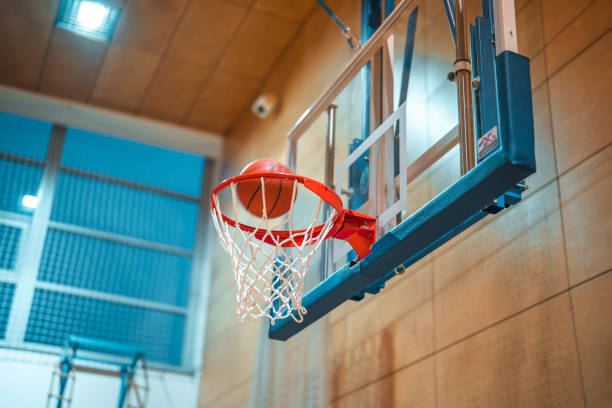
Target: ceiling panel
(124,77)
(148,24)
(72,65)
(173,90)
(257,45)
(194,62)
(204,32)
(41,11)
(289,9)
(223,98)
(23,49)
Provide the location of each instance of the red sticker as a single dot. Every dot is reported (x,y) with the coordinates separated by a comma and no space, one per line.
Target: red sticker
(487,143)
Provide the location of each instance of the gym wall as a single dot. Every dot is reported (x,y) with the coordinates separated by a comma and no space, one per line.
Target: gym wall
(514,312)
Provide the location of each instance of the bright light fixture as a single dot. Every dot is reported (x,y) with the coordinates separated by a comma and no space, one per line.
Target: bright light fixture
(89,18)
(29,201)
(91,15)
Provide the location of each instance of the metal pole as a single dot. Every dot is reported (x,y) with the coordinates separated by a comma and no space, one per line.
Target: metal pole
(330,145)
(463,77)
(330,150)
(291,153)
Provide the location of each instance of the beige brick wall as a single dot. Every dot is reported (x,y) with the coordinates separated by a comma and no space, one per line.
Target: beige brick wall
(515,312)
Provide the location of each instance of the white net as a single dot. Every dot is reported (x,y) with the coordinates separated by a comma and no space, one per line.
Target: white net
(269,268)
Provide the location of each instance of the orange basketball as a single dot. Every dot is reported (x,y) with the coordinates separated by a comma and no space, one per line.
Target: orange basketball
(278,192)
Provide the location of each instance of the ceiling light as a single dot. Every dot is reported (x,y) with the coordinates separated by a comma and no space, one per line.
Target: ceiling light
(29,201)
(91,15)
(92,19)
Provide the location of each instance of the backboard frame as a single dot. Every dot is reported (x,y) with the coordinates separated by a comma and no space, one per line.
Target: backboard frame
(495,183)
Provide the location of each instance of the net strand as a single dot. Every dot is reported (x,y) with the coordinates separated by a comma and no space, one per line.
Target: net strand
(270,278)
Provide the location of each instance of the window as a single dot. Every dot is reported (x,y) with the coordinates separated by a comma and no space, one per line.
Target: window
(102,246)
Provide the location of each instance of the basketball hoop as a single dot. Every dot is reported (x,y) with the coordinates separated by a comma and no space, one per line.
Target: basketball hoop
(270,277)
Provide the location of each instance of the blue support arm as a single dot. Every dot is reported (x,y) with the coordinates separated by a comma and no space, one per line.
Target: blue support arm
(76,344)
(103,346)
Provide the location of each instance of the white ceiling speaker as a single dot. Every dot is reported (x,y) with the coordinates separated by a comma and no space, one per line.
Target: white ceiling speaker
(264,104)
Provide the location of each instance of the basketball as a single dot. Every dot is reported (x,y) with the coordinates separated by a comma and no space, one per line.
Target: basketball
(278,192)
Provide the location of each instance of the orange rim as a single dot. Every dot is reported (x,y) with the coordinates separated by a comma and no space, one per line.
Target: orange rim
(324,192)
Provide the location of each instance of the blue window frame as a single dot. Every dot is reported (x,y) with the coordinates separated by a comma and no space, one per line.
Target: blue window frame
(119,221)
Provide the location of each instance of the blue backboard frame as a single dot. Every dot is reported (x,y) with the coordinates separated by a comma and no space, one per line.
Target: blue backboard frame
(462,204)
(503,105)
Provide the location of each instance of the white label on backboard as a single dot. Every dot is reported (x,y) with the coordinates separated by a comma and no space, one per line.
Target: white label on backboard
(487,143)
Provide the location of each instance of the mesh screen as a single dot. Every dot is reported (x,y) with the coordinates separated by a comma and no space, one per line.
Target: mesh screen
(16,181)
(110,267)
(9,243)
(55,316)
(96,240)
(132,162)
(24,137)
(6,297)
(124,210)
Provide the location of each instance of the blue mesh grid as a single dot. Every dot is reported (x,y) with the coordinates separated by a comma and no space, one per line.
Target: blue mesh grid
(23,136)
(129,189)
(6,297)
(9,243)
(55,315)
(111,267)
(124,210)
(131,161)
(17,180)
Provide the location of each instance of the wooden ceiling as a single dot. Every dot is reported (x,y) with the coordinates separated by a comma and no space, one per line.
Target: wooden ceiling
(192,62)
